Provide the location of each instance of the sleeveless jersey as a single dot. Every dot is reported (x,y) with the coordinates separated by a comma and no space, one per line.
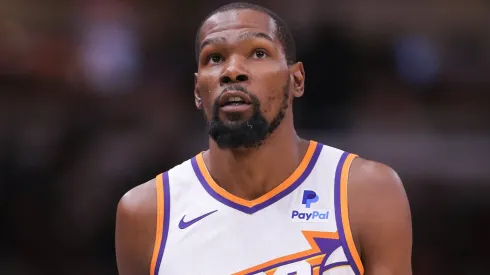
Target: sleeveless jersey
(301,227)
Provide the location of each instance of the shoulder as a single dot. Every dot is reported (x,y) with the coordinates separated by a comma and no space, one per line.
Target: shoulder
(376,192)
(136,228)
(380,216)
(139,203)
(374,176)
(140,219)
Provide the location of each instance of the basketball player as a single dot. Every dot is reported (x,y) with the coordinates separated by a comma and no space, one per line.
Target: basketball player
(261,200)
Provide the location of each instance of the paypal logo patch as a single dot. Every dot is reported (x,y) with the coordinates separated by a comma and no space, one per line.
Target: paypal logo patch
(304,212)
(309,197)
(310,215)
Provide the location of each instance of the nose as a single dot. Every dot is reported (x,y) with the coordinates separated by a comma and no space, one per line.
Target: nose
(234,72)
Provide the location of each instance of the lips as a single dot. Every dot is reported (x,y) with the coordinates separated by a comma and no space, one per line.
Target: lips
(234,98)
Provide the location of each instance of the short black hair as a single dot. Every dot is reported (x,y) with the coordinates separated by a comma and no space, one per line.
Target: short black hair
(283,32)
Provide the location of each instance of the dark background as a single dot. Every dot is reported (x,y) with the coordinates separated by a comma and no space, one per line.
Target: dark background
(96,98)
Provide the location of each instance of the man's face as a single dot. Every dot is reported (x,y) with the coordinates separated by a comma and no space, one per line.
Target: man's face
(243,80)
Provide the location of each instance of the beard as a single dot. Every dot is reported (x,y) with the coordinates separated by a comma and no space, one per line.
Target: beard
(249,133)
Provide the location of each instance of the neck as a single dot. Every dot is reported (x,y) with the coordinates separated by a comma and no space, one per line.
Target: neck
(250,173)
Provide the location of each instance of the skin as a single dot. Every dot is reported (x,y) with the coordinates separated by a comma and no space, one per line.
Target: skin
(263,63)
(379,212)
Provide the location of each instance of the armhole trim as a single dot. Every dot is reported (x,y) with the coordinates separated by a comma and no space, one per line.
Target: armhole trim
(342,212)
(163,207)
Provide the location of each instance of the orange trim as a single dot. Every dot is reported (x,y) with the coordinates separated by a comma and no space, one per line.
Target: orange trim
(316,270)
(251,203)
(317,260)
(313,261)
(309,235)
(159,223)
(345,212)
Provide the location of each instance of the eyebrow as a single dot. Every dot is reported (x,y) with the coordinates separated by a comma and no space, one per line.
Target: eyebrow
(245,36)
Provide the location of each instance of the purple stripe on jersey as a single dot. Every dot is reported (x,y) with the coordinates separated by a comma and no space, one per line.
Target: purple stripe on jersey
(338,213)
(166,214)
(255,208)
(330,266)
(327,246)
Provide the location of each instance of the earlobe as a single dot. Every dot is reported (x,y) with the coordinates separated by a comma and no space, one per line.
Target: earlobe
(198,102)
(298,78)
(197,94)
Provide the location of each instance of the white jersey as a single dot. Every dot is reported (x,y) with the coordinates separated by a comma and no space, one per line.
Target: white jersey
(300,227)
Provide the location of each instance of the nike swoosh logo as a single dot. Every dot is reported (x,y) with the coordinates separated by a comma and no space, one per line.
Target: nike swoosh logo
(184,224)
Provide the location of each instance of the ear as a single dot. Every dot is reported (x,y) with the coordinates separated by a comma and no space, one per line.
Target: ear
(298,76)
(197,94)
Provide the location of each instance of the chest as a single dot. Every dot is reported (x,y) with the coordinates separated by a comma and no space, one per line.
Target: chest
(210,237)
(296,228)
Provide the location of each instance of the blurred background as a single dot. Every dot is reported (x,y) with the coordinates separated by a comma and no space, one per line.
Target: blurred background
(96,97)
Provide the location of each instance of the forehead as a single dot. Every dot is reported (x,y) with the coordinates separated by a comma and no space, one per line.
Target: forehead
(235,22)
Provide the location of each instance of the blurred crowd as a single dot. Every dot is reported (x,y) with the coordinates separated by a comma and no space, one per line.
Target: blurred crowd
(96,98)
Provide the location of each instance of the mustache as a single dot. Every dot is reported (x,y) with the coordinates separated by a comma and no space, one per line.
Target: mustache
(235,87)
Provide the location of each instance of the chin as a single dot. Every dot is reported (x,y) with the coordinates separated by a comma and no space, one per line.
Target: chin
(234,118)
(234,123)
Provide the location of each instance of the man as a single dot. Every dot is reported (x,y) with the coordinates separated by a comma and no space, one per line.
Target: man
(261,200)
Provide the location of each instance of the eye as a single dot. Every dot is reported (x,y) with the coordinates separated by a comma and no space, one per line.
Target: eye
(214,58)
(259,54)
